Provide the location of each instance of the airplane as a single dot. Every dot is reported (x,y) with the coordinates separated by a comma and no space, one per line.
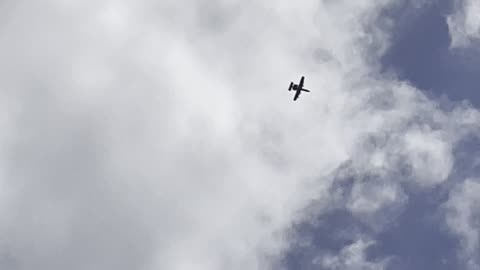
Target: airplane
(297,87)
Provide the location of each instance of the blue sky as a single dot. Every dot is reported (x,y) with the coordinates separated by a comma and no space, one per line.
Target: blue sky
(420,53)
(160,135)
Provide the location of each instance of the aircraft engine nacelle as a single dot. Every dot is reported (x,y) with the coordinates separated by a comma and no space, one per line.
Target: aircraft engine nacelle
(291,85)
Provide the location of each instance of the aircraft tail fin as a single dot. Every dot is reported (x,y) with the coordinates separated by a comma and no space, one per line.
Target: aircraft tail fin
(291,85)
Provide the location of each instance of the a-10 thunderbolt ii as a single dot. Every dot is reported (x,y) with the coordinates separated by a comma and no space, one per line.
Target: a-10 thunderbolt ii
(298,88)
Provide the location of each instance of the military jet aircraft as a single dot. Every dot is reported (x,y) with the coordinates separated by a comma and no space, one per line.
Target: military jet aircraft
(297,87)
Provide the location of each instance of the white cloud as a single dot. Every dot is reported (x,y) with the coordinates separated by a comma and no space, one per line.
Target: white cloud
(370,197)
(351,257)
(425,149)
(464,23)
(146,134)
(463,219)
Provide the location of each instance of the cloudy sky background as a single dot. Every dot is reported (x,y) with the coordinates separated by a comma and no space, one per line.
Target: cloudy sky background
(161,135)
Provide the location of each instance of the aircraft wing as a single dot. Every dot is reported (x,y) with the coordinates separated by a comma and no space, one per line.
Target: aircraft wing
(297,94)
(300,85)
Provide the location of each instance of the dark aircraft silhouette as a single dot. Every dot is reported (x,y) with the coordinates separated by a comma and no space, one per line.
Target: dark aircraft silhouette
(297,87)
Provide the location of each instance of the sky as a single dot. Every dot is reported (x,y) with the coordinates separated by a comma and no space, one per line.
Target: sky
(160,135)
